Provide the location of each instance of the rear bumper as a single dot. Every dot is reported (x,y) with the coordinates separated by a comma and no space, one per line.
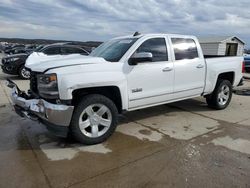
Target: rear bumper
(56,117)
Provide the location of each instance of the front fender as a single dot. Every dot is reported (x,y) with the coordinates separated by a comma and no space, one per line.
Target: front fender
(69,83)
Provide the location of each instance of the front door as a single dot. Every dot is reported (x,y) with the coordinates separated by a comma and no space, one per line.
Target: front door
(151,83)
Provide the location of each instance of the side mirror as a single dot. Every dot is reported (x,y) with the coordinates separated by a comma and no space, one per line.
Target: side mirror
(140,58)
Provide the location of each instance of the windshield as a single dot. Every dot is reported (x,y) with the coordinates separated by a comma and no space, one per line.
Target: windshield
(113,50)
(38,48)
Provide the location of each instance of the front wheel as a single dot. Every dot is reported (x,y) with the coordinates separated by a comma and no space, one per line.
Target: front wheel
(24,73)
(221,96)
(94,119)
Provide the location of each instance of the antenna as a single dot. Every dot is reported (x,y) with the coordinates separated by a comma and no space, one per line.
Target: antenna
(136,33)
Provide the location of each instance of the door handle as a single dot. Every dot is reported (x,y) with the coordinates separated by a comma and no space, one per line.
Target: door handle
(167,69)
(199,66)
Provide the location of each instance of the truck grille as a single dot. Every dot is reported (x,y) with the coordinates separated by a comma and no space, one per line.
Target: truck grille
(33,82)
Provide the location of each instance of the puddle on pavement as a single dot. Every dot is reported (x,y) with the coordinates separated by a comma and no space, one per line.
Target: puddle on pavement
(155,129)
(54,152)
(2,105)
(238,144)
(42,138)
(192,151)
(58,151)
(99,148)
(217,131)
(140,132)
(182,126)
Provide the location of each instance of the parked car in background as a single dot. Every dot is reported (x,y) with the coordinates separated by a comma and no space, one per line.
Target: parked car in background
(15,64)
(63,49)
(11,50)
(6,48)
(38,48)
(23,49)
(30,48)
(54,51)
(247,62)
(1,47)
(18,50)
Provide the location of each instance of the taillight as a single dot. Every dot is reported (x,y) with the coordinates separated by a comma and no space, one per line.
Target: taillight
(243,66)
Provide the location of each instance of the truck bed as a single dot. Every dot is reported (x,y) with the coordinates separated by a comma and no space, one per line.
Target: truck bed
(215,65)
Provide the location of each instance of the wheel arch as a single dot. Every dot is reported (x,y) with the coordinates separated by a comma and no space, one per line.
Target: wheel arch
(19,65)
(111,92)
(230,76)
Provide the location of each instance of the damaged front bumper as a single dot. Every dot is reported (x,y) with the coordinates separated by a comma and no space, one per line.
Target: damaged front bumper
(56,117)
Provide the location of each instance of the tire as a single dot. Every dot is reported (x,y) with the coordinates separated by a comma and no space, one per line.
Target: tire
(221,96)
(23,73)
(87,124)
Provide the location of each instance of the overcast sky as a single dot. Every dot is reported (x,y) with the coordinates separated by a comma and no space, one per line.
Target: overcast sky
(103,19)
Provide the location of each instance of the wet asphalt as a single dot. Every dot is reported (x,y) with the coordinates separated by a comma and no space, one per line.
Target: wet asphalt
(184,144)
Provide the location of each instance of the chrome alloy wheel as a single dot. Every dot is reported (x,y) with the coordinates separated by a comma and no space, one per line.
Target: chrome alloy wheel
(25,73)
(95,120)
(223,95)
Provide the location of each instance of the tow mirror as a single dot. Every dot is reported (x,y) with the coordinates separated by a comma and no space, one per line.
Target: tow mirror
(140,57)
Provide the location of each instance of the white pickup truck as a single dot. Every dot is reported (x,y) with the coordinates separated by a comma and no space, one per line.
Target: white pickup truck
(83,95)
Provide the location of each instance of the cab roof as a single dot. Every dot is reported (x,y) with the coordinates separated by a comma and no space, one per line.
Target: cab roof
(155,35)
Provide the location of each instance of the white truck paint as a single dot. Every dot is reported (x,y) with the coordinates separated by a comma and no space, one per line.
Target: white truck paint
(40,57)
(124,74)
(184,80)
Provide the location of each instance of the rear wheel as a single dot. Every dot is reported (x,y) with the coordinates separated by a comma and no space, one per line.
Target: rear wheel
(24,73)
(94,119)
(221,96)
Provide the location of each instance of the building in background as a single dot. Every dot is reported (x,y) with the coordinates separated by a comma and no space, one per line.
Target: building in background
(222,46)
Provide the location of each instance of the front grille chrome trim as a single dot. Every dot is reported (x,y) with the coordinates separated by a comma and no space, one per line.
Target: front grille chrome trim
(33,82)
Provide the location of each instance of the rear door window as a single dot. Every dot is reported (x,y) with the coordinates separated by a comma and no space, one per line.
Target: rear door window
(184,48)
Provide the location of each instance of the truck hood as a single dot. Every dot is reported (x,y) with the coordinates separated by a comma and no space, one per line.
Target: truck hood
(46,62)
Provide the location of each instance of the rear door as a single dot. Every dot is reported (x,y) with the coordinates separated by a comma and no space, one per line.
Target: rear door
(189,67)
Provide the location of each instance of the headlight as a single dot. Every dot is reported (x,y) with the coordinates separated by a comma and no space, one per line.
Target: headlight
(47,86)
